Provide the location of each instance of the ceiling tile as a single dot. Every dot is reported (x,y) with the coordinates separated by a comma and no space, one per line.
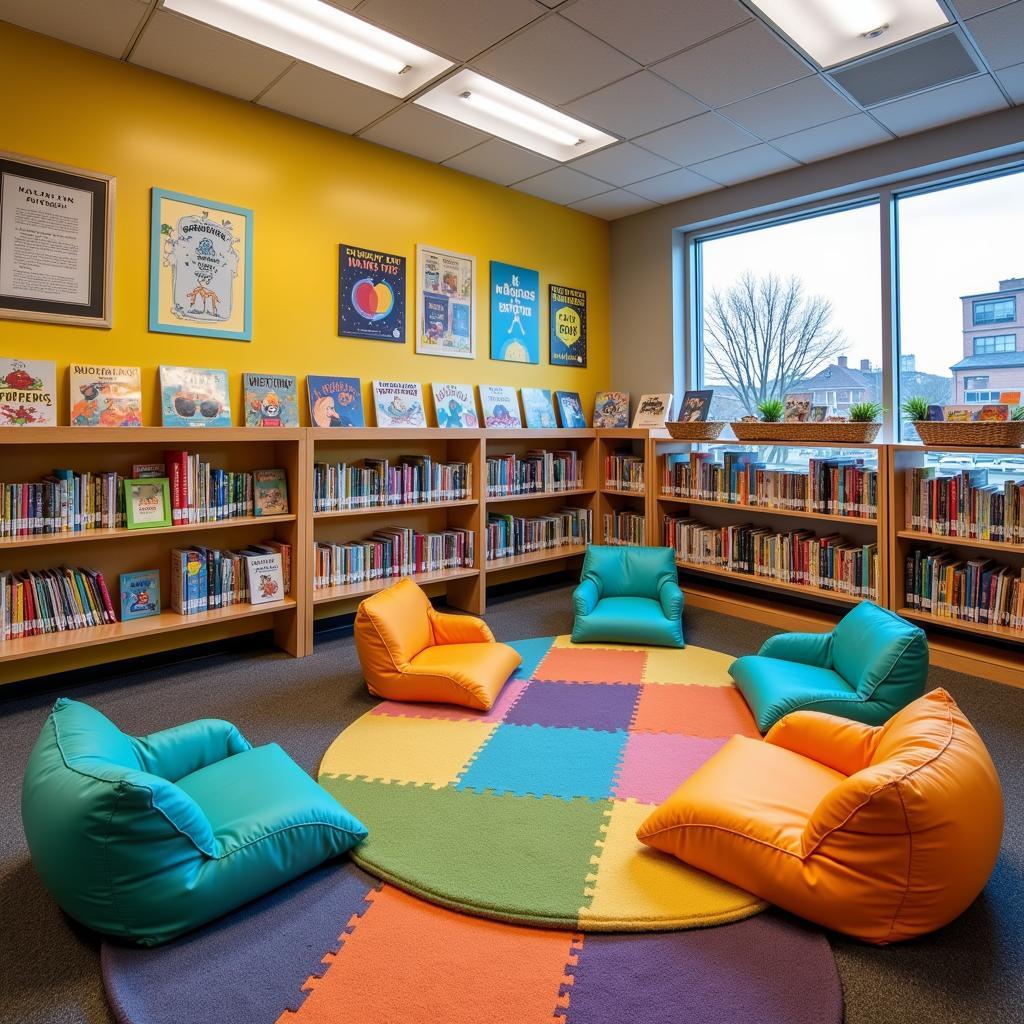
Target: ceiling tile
(500,161)
(562,185)
(1000,35)
(106,26)
(200,54)
(699,138)
(1013,82)
(944,105)
(457,28)
(825,140)
(636,105)
(790,108)
(612,205)
(555,61)
(756,162)
(972,8)
(316,95)
(733,66)
(423,133)
(667,188)
(345,5)
(623,164)
(648,30)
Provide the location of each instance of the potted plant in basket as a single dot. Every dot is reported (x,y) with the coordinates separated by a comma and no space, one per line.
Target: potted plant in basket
(1007,433)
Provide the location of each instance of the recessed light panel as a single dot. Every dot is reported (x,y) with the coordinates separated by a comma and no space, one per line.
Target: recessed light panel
(323,35)
(836,31)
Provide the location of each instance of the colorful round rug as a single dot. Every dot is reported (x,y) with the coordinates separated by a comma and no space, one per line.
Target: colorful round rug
(528,813)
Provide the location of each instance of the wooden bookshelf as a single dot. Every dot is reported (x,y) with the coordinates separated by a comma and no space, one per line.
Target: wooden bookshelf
(749,579)
(613,499)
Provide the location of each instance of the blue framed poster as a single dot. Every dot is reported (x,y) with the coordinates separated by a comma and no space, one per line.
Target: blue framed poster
(568,326)
(515,314)
(371,294)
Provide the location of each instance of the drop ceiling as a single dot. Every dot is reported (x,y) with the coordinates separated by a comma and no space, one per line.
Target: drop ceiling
(700,94)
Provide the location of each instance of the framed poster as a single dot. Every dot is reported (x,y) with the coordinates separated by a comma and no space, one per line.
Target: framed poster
(200,267)
(56,242)
(371,294)
(446,314)
(568,326)
(515,314)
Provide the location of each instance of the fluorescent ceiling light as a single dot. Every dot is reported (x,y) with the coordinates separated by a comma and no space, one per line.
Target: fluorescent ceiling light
(498,110)
(836,31)
(320,34)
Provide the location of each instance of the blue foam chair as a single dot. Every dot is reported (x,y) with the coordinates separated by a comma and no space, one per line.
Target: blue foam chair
(629,595)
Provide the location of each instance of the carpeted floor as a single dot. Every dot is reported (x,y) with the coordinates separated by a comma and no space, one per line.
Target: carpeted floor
(971,971)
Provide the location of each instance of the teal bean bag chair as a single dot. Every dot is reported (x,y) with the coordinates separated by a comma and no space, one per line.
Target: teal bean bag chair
(143,838)
(629,595)
(870,666)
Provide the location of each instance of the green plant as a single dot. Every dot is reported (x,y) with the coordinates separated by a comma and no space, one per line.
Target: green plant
(1017,413)
(915,409)
(864,412)
(771,410)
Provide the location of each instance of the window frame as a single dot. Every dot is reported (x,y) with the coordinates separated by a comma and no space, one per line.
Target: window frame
(994,350)
(975,303)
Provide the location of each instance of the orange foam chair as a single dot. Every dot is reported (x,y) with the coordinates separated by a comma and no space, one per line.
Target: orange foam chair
(882,833)
(411,652)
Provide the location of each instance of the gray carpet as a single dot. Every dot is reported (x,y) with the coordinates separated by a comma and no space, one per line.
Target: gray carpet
(971,971)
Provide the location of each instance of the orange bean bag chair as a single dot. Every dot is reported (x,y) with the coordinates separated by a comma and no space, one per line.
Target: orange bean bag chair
(883,833)
(411,652)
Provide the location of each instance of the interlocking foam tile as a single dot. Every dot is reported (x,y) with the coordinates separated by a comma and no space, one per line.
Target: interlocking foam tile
(656,763)
(605,706)
(405,749)
(638,884)
(533,652)
(508,696)
(709,711)
(688,665)
(591,665)
(565,640)
(538,760)
(521,857)
(449,968)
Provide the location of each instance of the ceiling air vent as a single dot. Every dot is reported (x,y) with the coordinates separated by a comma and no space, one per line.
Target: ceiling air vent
(922,64)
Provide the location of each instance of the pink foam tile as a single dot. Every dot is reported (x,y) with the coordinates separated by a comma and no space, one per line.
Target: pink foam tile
(403,709)
(655,764)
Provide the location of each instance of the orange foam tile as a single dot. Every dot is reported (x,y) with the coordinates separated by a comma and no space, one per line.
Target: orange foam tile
(708,711)
(591,665)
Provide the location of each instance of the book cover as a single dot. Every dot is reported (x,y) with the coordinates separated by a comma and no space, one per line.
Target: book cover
(266,579)
(819,413)
(455,405)
(191,396)
(568,323)
(141,470)
(653,410)
(515,314)
(28,392)
(270,400)
(695,406)
(371,294)
(105,396)
(500,407)
(140,594)
(611,409)
(540,413)
(570,409)
(936,413)
(398,404)
(335,401)
(796,408)
(270,492)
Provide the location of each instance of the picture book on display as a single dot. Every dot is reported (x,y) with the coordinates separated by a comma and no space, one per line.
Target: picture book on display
(570,409)
(371,294)
(695,406)
(975,413)
(270,400)
(335,401)
(611,409)
(270,492)
(28,393)
(500,407)
(266,578)
(398,403)
(140,594)
(455,406)
(653,410)
(540,413)
(105,396)
(797,408)
(194,397)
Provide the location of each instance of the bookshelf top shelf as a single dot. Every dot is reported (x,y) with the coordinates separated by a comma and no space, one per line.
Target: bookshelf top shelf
(731,442)
(956,449)
(342,434)
(539,434)
(169,436)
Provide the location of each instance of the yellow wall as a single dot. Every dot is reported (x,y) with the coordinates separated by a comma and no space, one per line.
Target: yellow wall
(310,189)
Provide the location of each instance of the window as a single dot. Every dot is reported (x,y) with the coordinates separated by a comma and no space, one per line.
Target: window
(995,343)
(995,311)
(982,396)
(975,382)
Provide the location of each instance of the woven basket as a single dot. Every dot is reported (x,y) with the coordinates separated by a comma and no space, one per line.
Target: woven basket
(996,434)
(698,431)
(814,433)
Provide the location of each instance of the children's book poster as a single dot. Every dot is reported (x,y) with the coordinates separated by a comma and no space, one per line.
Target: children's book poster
(335,401)
(270,400)
(28,393)
(500,407)
(570,408)
(515,314)
(568,319)
(371,294)
(455,406)
(105,396)
(194,397)
(611,409)
(398,403)
(538,409)
(140,594)
(445,283)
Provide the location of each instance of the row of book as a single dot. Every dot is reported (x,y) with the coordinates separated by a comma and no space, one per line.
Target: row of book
(52,601)
(371,483)
(964,505)
(204,579)
(947,586)
(391,551)
(63,502)
(835,486)
(539,471)
(509,535)
(799,557)
(624,471)
(627,528)
(202,493)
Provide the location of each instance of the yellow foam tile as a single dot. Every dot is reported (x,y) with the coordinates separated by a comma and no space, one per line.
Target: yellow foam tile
(429,751)
(566,641)
(695,665)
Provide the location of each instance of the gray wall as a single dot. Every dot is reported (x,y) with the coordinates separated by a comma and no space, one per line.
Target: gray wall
(647,314)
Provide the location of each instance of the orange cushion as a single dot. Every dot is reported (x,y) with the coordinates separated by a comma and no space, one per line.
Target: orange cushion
(468,674)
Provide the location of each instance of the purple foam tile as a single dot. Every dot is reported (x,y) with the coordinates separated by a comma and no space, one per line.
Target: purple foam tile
(604,706)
